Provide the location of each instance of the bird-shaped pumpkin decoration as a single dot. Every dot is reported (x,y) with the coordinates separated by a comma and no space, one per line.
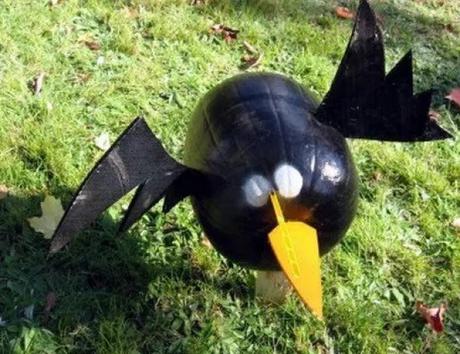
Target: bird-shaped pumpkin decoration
(267,168)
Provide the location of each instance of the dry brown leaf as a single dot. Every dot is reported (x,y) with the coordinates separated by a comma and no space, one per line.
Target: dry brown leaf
(434,115)
(37,83)
(377,176)
(449,28)
(3,191)
(93,45)
(228,34)
(433,316)
(251,61)
(249,48)
(454,96)
(344,12)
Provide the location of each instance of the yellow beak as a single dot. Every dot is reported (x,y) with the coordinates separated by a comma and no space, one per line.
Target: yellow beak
(295,245)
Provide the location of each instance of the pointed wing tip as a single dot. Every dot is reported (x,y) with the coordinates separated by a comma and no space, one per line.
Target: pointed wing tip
(364,5)
(433,131)
(407,58)
(139,120)
(365,12)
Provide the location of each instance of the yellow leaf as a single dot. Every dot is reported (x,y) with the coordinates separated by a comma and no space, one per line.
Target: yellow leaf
(52,213)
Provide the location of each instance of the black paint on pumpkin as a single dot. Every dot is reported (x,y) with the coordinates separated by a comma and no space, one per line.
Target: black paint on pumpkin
(250,125)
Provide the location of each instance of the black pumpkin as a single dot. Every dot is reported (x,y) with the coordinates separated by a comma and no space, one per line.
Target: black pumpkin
(250,129)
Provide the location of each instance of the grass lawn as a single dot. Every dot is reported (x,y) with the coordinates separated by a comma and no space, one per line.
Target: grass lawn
(159,288)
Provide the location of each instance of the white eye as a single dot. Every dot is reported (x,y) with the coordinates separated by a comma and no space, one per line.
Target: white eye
(288,180)
(257,189)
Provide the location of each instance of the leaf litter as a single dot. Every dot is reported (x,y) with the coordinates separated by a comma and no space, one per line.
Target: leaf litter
(252,58)
(228,34)
(36,84)
(433,316)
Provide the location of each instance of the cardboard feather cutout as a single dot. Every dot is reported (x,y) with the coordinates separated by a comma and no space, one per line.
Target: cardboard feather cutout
(364,103)
(137,157)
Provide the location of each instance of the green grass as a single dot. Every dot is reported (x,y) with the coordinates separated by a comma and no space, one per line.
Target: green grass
(158,289)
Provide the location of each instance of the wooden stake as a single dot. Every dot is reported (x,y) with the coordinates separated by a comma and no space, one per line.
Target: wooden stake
(272,286)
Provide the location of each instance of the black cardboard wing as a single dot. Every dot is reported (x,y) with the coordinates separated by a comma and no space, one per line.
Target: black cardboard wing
(137,157)
(364,103)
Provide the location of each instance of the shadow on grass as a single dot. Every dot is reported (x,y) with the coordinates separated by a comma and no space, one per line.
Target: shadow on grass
(96,261)
(101,277)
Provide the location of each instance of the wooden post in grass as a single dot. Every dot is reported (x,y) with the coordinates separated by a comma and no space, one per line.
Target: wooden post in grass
(272,286)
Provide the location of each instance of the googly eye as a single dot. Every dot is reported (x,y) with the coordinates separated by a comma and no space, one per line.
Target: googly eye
(256,190)
(288,180)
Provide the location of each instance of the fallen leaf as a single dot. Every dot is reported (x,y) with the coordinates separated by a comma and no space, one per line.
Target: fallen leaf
(454,96)
(52,212)
(89,41)
(93,45)
(227,33)
(434,115)
(433,316)
(37,83)
(456,223)
(102,141)
(344,12)
(3,191)
(377,176)
(249,48)
(251,61)
(50,303)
